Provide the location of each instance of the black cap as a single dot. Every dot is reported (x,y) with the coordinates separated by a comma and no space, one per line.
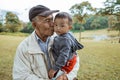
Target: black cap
(40,10)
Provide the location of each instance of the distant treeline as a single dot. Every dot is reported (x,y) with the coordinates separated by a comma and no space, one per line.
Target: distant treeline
(93,22)
(13,24)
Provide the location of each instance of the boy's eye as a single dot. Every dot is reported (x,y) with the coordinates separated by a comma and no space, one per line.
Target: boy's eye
(62,25)
(55,24)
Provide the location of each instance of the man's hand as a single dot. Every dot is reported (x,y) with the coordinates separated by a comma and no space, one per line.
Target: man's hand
(51,73)
(62,77)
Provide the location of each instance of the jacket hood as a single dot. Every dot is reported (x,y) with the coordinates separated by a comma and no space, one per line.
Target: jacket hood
(76,45)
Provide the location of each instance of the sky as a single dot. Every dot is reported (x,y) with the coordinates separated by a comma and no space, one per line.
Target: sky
(22,6)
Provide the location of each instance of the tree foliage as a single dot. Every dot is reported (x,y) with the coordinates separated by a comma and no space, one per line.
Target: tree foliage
(112,8)
(27,28)
(1,27)
(12,22)
(96,22)
(80,11)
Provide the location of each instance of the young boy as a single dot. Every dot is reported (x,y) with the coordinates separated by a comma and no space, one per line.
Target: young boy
(64,46)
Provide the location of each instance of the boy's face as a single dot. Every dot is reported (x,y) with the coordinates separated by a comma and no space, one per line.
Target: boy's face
(61,26)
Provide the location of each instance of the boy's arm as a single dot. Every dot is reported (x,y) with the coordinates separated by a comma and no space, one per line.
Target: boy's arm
(73,74)
(64,53)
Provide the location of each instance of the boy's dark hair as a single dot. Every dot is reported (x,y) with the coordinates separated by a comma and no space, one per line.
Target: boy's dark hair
(64,15)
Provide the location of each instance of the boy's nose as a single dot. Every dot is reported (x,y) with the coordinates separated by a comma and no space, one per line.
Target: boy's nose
(58,27)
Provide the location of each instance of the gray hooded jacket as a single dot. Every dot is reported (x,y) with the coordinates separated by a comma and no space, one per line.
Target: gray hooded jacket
(63,48)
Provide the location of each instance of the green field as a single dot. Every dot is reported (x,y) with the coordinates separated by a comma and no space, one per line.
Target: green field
(100,60)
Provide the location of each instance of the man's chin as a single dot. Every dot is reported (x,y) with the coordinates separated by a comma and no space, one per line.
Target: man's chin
(51,34)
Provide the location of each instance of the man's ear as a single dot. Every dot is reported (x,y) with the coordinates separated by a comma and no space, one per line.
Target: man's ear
(33,24)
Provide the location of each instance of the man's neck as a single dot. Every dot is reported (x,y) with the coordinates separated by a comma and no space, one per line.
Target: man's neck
(42,37)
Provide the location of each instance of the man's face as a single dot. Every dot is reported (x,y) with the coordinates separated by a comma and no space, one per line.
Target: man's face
(43,26)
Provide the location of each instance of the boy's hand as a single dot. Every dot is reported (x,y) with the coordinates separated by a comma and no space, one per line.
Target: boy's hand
(51,73)
(62,77)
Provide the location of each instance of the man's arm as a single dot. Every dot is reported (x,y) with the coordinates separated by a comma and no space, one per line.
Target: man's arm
(22,68)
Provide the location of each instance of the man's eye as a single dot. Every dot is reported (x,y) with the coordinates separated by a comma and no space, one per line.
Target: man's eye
(47,20)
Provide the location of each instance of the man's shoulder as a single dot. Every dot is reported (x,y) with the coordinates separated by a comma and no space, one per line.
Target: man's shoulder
(23,43)
(27,40)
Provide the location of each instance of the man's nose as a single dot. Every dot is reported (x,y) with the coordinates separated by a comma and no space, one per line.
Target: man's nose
(58,27)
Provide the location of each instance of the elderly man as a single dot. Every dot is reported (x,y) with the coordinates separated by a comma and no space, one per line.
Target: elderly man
(33,56)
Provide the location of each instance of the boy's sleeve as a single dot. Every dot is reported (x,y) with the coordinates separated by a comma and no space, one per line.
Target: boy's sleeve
(64,53)
(73,73)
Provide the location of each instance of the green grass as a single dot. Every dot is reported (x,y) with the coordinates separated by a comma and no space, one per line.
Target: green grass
(8,45)
(14,34)
(100,60)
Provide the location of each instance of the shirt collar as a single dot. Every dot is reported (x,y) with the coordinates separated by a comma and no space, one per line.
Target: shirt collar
(39,40)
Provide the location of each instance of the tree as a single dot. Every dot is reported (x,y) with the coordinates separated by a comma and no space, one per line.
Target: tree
(12,22)
(80,11)
(99,22)
(117,27)
(112,7)
(1,27)
(27,28)
(114,24)
(95,22)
